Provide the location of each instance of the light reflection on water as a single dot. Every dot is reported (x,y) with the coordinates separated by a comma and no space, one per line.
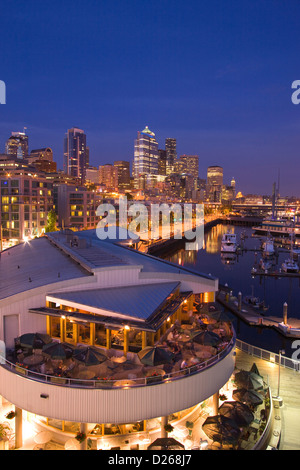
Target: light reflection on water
(235,270)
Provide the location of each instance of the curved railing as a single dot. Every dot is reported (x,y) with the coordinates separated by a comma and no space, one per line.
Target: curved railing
(118,383)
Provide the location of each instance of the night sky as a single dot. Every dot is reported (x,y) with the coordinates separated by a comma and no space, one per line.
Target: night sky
(214,74)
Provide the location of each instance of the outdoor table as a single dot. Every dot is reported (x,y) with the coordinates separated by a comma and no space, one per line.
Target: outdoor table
(43,437)
(33,360)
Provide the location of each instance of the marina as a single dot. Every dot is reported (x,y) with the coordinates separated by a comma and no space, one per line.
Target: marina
(241,272)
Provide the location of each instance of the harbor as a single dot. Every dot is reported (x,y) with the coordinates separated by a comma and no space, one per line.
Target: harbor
(272,288)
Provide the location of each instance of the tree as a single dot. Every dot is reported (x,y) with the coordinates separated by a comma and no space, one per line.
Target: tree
(51,221)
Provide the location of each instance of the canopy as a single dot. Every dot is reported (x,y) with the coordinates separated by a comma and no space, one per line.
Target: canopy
(155,356)
(33,340)
(248,396)
(207,338)
(89,356)
(221,429)
(239,412)
(165,443)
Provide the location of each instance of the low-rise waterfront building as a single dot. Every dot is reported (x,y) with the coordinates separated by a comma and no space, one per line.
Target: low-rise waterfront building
(87,293)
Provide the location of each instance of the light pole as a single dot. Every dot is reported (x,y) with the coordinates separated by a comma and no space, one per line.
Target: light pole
(281,351)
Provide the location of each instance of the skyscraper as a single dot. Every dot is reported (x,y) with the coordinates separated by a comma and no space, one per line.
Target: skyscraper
(214,183)
(123,174)
(191,164)
(162,162)
(17,145)
(145,155)
(171,152)
(75,153)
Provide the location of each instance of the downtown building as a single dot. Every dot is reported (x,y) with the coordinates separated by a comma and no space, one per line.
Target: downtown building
(26,200)
(145,163)
(76,154)
(17,145)
(171,154)
(214,183)
(123,168)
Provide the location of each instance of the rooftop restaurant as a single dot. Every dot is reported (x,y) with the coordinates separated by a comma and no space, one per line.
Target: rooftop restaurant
(104,347)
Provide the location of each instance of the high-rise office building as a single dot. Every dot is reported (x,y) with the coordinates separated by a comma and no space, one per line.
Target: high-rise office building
(145,155)
(75,153)
(214,183)
(123,174)
(171,152)
(191,164)
(162,162)
(17,145)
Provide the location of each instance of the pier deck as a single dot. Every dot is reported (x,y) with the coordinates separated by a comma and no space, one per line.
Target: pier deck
(252,317)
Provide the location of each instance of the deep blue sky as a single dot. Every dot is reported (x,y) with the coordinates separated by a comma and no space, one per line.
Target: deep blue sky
(214,74)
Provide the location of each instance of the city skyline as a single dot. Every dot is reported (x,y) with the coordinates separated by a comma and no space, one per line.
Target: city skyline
(217,79)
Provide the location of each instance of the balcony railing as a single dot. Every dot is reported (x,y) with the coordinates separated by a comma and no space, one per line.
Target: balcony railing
(118,383)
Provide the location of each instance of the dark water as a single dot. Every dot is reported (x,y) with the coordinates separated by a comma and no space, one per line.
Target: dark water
(237,274)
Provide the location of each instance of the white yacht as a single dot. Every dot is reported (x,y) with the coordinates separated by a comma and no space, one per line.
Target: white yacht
(290,266)
(229,243)
(268,246)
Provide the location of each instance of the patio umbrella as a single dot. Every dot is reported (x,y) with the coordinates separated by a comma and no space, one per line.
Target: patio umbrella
(207,338)
(58,351)
(165,443)
(255,370)
(33,340)
(89,356)
(219,316)
(249,380)
(239,412)
(221,429)
(251,397)
(155,356)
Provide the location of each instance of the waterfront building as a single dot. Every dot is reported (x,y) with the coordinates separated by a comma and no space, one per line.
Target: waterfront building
(145,156)
(84,292)
(17,145)
(75,206)
(76,154)
(26,200)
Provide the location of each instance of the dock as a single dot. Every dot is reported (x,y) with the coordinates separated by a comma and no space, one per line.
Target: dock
(253,317)
(276,274)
